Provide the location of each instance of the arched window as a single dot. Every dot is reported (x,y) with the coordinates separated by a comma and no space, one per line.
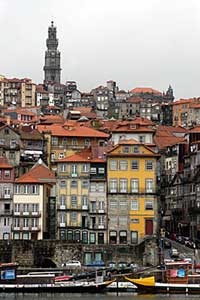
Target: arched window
(70,235)
(77,236)
(85,237)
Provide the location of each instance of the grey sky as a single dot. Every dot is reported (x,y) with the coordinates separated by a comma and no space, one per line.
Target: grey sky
(150,43)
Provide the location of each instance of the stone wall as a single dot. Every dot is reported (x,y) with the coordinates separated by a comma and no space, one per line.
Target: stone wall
(41,253)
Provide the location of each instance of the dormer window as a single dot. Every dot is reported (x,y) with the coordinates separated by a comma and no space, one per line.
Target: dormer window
(132,126)
(126,149)
(136,149)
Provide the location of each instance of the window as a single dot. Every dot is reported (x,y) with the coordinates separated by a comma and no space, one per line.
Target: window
(123,165)
(62,200)
(113,220)
(84,200)
(12,143)
(135,185)
(74,201)
(64,141)
(134,237)
(113,165)
(84,237)
(69,235)
(123,220)
(101,170)
(92,238)
(11,155)
(63,168)
(62,217)
(135,221)
(123,204)
(53,156)
(100,238)
(149,165)
(101,220)
(74,184)
(142,139)
(113,203)
(123,237)
(136,149)
(6,174)
(17,207)
(74,141)
(25,207)
(93,170)
(101,187)
(134,164)
(61,155)
(34,189)
(148,204)
(73,216)
(77,236)
(85,168)
(92,187)
(74,169)
(25,222)
(6,131)
(113,237)
(85,184)
(123,183)
(101,204)
(62,183)
(93,206)
(87,142)
(16,236)
(35,207)
(26,189)
(113,185)
(7,192)
(134,205)
(34,222)
(126,149)
(54,140)
(149,185)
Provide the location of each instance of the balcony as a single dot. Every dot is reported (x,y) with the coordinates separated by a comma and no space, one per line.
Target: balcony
(27,213)
(62,225)
(6,212)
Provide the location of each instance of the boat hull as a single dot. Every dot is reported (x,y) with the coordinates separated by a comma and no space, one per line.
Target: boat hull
(52,288)
(160,288)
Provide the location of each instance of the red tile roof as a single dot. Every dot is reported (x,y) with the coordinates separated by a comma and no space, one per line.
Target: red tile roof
(166,136)
(4,163)
(77,131)
(145,90)
(38,174)
(183,101)
(84,156)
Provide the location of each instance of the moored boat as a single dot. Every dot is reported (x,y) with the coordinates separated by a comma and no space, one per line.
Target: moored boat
(177,280)
(10,282)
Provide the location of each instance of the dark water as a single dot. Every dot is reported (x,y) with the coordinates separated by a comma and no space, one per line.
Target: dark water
(110,296)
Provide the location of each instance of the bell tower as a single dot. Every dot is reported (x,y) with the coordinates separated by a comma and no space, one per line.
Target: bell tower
(52,68)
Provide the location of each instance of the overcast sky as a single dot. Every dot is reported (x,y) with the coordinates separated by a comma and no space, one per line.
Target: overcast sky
(150,43)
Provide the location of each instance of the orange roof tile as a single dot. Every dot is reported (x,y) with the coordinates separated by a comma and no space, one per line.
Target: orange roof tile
(145,90)
(78,131)
(183,101)
(4,163)
(84,156)
(38,174)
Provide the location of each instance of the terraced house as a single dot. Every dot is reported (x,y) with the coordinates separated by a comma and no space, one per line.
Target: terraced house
(81,199)
(30,202)
(132,198)
(64,140)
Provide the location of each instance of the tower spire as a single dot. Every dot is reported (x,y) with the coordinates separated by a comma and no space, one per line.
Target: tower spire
(52,68)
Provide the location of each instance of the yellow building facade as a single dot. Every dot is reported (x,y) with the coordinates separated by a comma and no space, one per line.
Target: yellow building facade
(132,197)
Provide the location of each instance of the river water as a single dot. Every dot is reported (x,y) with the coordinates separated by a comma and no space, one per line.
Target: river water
(108,296)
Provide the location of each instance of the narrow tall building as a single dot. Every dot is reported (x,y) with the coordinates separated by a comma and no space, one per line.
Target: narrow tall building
(52,68)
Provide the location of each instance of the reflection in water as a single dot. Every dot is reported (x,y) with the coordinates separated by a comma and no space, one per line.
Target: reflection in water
(109,296)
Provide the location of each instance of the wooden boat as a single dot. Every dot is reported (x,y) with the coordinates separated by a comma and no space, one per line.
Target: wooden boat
(10,282)
(177,280)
